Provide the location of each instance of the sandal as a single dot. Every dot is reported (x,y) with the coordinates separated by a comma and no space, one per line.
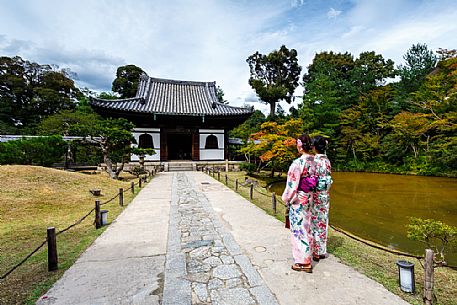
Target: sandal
(302,267)
(316,257)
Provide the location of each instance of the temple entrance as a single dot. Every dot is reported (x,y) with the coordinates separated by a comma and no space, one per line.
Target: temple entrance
(179,146)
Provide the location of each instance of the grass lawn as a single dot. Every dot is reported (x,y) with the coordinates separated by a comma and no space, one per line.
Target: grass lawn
(376,264)
(34,198)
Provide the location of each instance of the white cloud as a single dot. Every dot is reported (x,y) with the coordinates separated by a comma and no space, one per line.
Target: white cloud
(332,13)
(210,40)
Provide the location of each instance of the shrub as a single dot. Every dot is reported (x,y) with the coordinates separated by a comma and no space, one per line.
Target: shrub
(248,167)
(42,151)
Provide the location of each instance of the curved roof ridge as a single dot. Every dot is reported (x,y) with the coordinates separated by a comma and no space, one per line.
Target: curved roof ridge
(230,106)
(181,82)
(118,100)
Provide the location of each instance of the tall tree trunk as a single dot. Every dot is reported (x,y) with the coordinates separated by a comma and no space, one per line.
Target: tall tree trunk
(272,109)
(109,167)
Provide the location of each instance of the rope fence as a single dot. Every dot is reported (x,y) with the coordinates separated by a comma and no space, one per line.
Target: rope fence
(250,184)
(97,223)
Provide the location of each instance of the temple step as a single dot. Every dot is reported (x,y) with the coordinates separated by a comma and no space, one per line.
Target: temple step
(180,166)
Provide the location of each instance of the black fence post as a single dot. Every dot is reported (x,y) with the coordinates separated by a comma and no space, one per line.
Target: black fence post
(251,191)
(121,196)
(52,249)
(226,179)
(139,182)
(132,187)
(218,176)
(273,201)
(98,216)
(236,185)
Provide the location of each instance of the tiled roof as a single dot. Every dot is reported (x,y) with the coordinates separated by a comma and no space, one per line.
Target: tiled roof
(164,96)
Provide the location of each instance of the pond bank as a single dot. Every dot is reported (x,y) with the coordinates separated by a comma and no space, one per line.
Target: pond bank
(374,263)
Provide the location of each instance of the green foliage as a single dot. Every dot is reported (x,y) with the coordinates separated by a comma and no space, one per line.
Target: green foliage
(127,80)
(249,126)
(30,92)
(419,62)
(275,76)
(220,95)
(248,167)
(42,151)
(435,234)
(66,122)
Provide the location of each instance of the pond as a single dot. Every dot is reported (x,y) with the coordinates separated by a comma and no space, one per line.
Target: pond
(376,207)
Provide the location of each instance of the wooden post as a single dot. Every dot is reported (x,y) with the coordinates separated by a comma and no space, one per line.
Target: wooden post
(226,179)
(213,170)
(273,201)
(132,187)
(219,175)
(98,216)
(226,166)
(139,182)
(251,191)
(52,249)
(121,196)
(428,277)
(236,185)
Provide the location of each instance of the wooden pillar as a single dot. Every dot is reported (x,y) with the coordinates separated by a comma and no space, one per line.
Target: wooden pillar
(273,201)
(236,185)
(132,187)
(226,179)
(195,145)
(121,196)
(428,277)
(251,192)
(98,216)
(52,249)
(163,145)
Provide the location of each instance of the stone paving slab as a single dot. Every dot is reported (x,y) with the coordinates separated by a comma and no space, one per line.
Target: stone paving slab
(126,264)
(265,241)
(204,263)
(188,239)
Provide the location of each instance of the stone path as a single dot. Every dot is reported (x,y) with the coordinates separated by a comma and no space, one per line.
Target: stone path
(188,239)
(204,263)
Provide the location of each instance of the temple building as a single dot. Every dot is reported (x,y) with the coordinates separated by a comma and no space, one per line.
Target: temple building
(181,120)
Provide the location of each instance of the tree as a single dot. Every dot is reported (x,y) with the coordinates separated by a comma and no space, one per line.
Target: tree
(30,92)
(328,91)
(275,76)
(127,80)
(114,138)
(275,143)
(250,126)
(220,95)
(370,70)
(419,61)
(435,234)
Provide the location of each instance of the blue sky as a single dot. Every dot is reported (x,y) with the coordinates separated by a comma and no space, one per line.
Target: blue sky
(209,40)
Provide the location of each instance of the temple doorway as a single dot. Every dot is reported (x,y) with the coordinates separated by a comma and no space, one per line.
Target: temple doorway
(179,146)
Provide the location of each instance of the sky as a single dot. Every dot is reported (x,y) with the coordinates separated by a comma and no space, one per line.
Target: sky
(210,40)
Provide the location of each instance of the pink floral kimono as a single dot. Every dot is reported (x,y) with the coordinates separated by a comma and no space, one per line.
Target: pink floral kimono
(300,208)
(321,205)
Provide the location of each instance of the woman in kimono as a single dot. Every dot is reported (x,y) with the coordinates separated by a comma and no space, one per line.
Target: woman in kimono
(299,203)
(321,199)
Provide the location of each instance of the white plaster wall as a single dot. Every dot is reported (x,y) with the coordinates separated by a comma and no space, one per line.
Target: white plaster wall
(155,133)
(211,154)
(220,139)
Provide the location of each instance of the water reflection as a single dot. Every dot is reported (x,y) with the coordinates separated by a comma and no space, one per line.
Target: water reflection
(378,206)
